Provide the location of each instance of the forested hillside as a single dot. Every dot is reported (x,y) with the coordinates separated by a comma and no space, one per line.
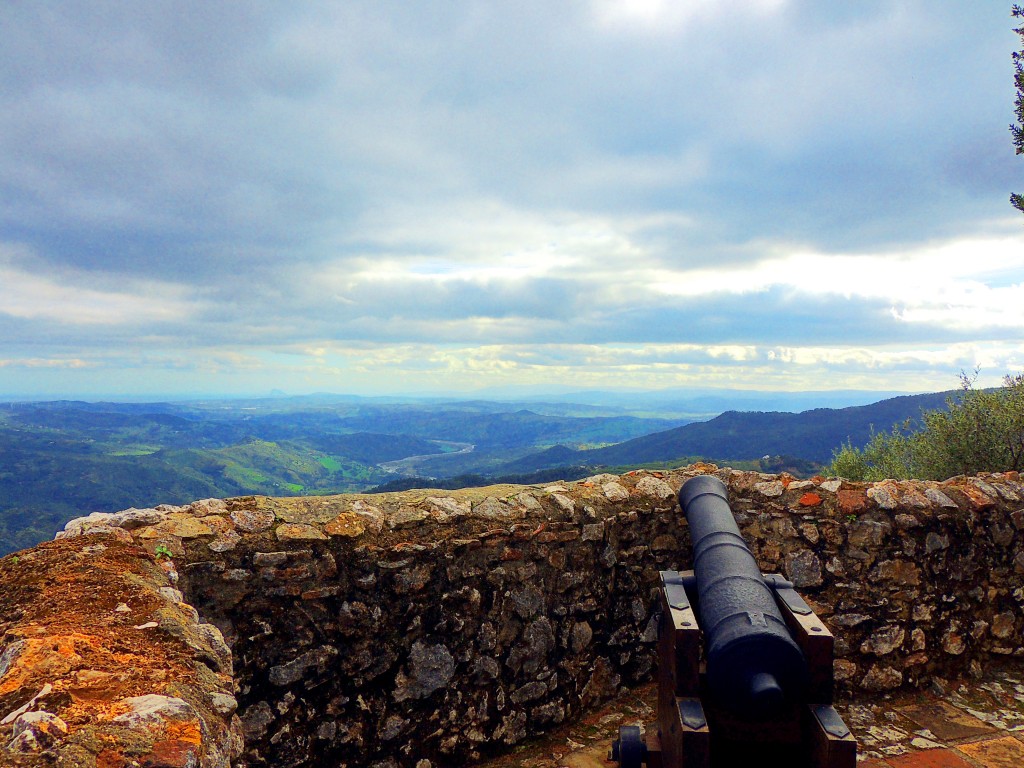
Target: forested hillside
(736,436)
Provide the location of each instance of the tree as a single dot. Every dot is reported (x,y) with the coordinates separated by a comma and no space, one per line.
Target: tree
(1017,129)
(981,431)
(887,454)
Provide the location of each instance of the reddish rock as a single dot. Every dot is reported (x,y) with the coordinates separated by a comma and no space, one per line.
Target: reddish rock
(852,502)
(299,532)
(930,758)
(704,468)
(897,571)
(347,524)
(111,682)
(810,500)
(1006,752)
(175,753)
(976,499)
(110,758)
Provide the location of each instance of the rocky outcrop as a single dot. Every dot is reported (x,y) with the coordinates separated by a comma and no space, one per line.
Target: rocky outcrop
(430,627)
(102,663)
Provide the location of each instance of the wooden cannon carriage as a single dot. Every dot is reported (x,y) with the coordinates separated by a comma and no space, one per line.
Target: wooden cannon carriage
(744,664)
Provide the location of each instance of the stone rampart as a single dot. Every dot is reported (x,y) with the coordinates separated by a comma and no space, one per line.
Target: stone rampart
(429,628)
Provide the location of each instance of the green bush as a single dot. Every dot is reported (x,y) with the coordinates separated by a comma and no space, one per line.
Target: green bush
(982,431)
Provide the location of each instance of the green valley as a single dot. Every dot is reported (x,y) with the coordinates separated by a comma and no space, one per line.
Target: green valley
(64,459)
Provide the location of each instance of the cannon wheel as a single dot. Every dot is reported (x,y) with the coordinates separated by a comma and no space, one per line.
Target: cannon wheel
(629,749)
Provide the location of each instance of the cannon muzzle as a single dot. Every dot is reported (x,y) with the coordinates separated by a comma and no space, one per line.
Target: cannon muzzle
(753,664)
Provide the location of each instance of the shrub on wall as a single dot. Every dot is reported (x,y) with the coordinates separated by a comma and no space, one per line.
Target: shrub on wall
(983,431)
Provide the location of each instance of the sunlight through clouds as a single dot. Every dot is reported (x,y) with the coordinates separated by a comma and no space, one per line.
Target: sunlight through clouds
(943,285)
(666,16)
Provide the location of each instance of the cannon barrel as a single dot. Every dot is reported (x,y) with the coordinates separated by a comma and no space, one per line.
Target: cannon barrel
(753,664)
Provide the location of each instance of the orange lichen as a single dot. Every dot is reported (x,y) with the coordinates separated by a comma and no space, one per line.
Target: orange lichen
(852,501)
(111,758)
(51,656)
(703,468)
(346,524)
(83,656)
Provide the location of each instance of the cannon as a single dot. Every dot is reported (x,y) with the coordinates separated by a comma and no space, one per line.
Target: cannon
(744,664)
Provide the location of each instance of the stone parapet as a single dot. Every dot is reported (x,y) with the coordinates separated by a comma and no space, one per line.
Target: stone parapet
(430,628)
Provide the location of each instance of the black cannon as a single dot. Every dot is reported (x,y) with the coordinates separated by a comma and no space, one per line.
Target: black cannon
(749,682)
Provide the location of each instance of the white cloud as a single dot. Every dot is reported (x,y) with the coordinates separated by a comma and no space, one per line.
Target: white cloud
(955,285)
(64,299)
(654,366)
(38,362)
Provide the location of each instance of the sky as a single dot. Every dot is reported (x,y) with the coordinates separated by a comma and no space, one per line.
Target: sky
(442,197)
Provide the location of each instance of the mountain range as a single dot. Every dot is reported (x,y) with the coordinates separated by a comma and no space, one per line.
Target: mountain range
(743,435)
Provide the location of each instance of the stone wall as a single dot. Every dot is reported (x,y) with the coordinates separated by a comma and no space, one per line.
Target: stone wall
(428,628)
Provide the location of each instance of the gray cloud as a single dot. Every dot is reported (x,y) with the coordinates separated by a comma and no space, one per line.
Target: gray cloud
(241,158)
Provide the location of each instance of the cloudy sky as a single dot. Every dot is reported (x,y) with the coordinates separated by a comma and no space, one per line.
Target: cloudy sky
(394,197)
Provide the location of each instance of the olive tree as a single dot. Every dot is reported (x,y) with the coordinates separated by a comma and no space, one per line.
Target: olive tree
(982,430)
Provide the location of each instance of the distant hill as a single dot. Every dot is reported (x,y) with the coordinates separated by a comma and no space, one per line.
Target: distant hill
(490,430)
(738,436)
(556,456)
(370,447)
(67,458)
